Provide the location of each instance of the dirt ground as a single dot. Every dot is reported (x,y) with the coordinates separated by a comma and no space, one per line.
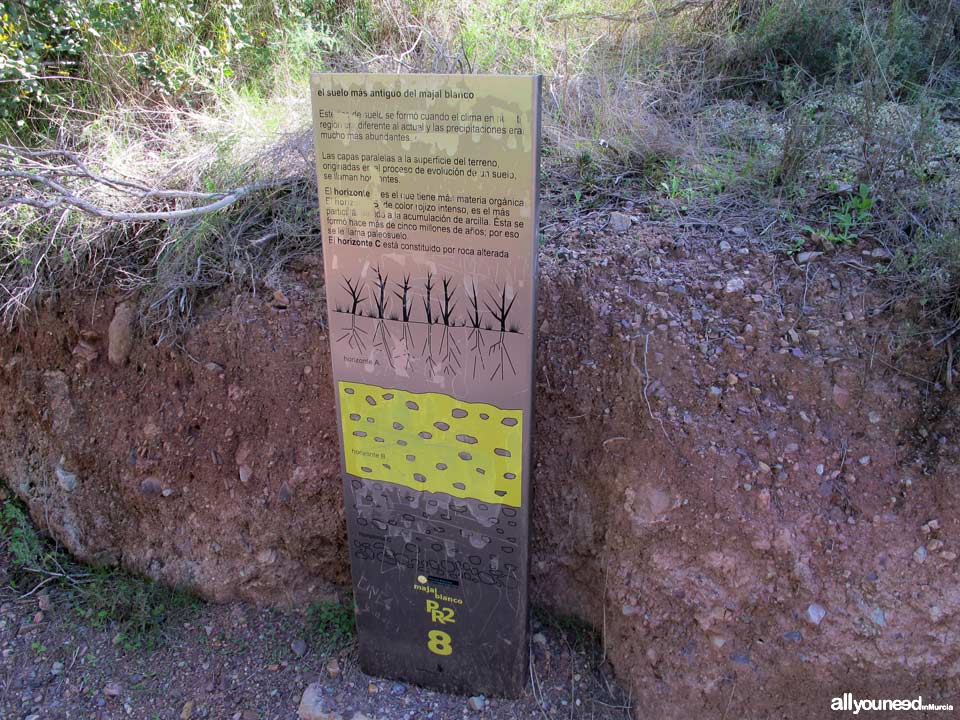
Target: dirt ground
(746,468)
(238,662)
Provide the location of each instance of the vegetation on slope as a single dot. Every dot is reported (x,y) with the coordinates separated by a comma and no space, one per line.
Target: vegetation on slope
(821,125)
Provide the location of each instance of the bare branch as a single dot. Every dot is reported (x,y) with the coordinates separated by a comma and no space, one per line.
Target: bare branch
(81,169)
(64,196)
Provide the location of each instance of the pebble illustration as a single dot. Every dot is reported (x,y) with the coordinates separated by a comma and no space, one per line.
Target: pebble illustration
(420,441)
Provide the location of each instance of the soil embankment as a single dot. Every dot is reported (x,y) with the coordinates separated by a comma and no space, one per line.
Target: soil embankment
(743,478)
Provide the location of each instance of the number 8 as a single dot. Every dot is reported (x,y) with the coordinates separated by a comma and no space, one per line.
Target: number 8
(440,643)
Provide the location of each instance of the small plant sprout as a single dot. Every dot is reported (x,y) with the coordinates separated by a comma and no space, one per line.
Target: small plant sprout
(847,219)
(333,624)
(795,245)
(845,223)
(671,187)
(500,312)
(449,350)
(354,335)
(861,204)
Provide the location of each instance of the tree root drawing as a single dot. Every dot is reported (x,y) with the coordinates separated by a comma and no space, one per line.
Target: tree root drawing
(505,358)
(388,302)
(449,353)
(429,362)
(501,312)
(406,345)
(354,335)
(475,337)
(382,339)
(449,350)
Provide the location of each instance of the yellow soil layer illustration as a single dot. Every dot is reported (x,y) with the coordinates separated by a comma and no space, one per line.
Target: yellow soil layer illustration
(433,442)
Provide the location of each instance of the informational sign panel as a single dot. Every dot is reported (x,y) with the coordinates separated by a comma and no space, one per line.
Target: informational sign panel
(428,203)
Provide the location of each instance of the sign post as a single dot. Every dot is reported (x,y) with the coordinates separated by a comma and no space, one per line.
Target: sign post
(428,207)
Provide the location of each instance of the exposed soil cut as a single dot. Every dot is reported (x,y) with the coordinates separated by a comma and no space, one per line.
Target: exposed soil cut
(745,479)
(237,662)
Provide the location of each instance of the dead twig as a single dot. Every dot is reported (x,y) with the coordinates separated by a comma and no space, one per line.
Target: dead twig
(72,579)
(953,331)
(36,588)
(61,195)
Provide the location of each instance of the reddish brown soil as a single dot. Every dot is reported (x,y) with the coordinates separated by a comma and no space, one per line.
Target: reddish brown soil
(237,662)
(713,457)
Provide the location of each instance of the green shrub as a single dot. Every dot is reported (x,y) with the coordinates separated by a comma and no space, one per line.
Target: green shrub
(333,624)
(909,57)
(42,45)
(930,270)
(770,45)
(805,35)
(134,609)
(23,542)
(58,55)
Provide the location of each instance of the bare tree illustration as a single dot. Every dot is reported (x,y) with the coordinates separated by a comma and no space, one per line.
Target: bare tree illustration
(430,363)
(406,312)
(475,337)
(381,334)
(449,350)
(428,301)
(500,312)
(380,300)
(354,335)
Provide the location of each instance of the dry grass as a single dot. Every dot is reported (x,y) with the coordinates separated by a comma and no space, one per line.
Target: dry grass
(645,101)
(186,160)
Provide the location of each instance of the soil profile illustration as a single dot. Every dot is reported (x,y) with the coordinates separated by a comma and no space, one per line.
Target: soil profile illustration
(434,327)
(432,442)
(428,209)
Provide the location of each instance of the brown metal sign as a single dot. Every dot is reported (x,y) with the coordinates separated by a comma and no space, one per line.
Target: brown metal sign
(428,204)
